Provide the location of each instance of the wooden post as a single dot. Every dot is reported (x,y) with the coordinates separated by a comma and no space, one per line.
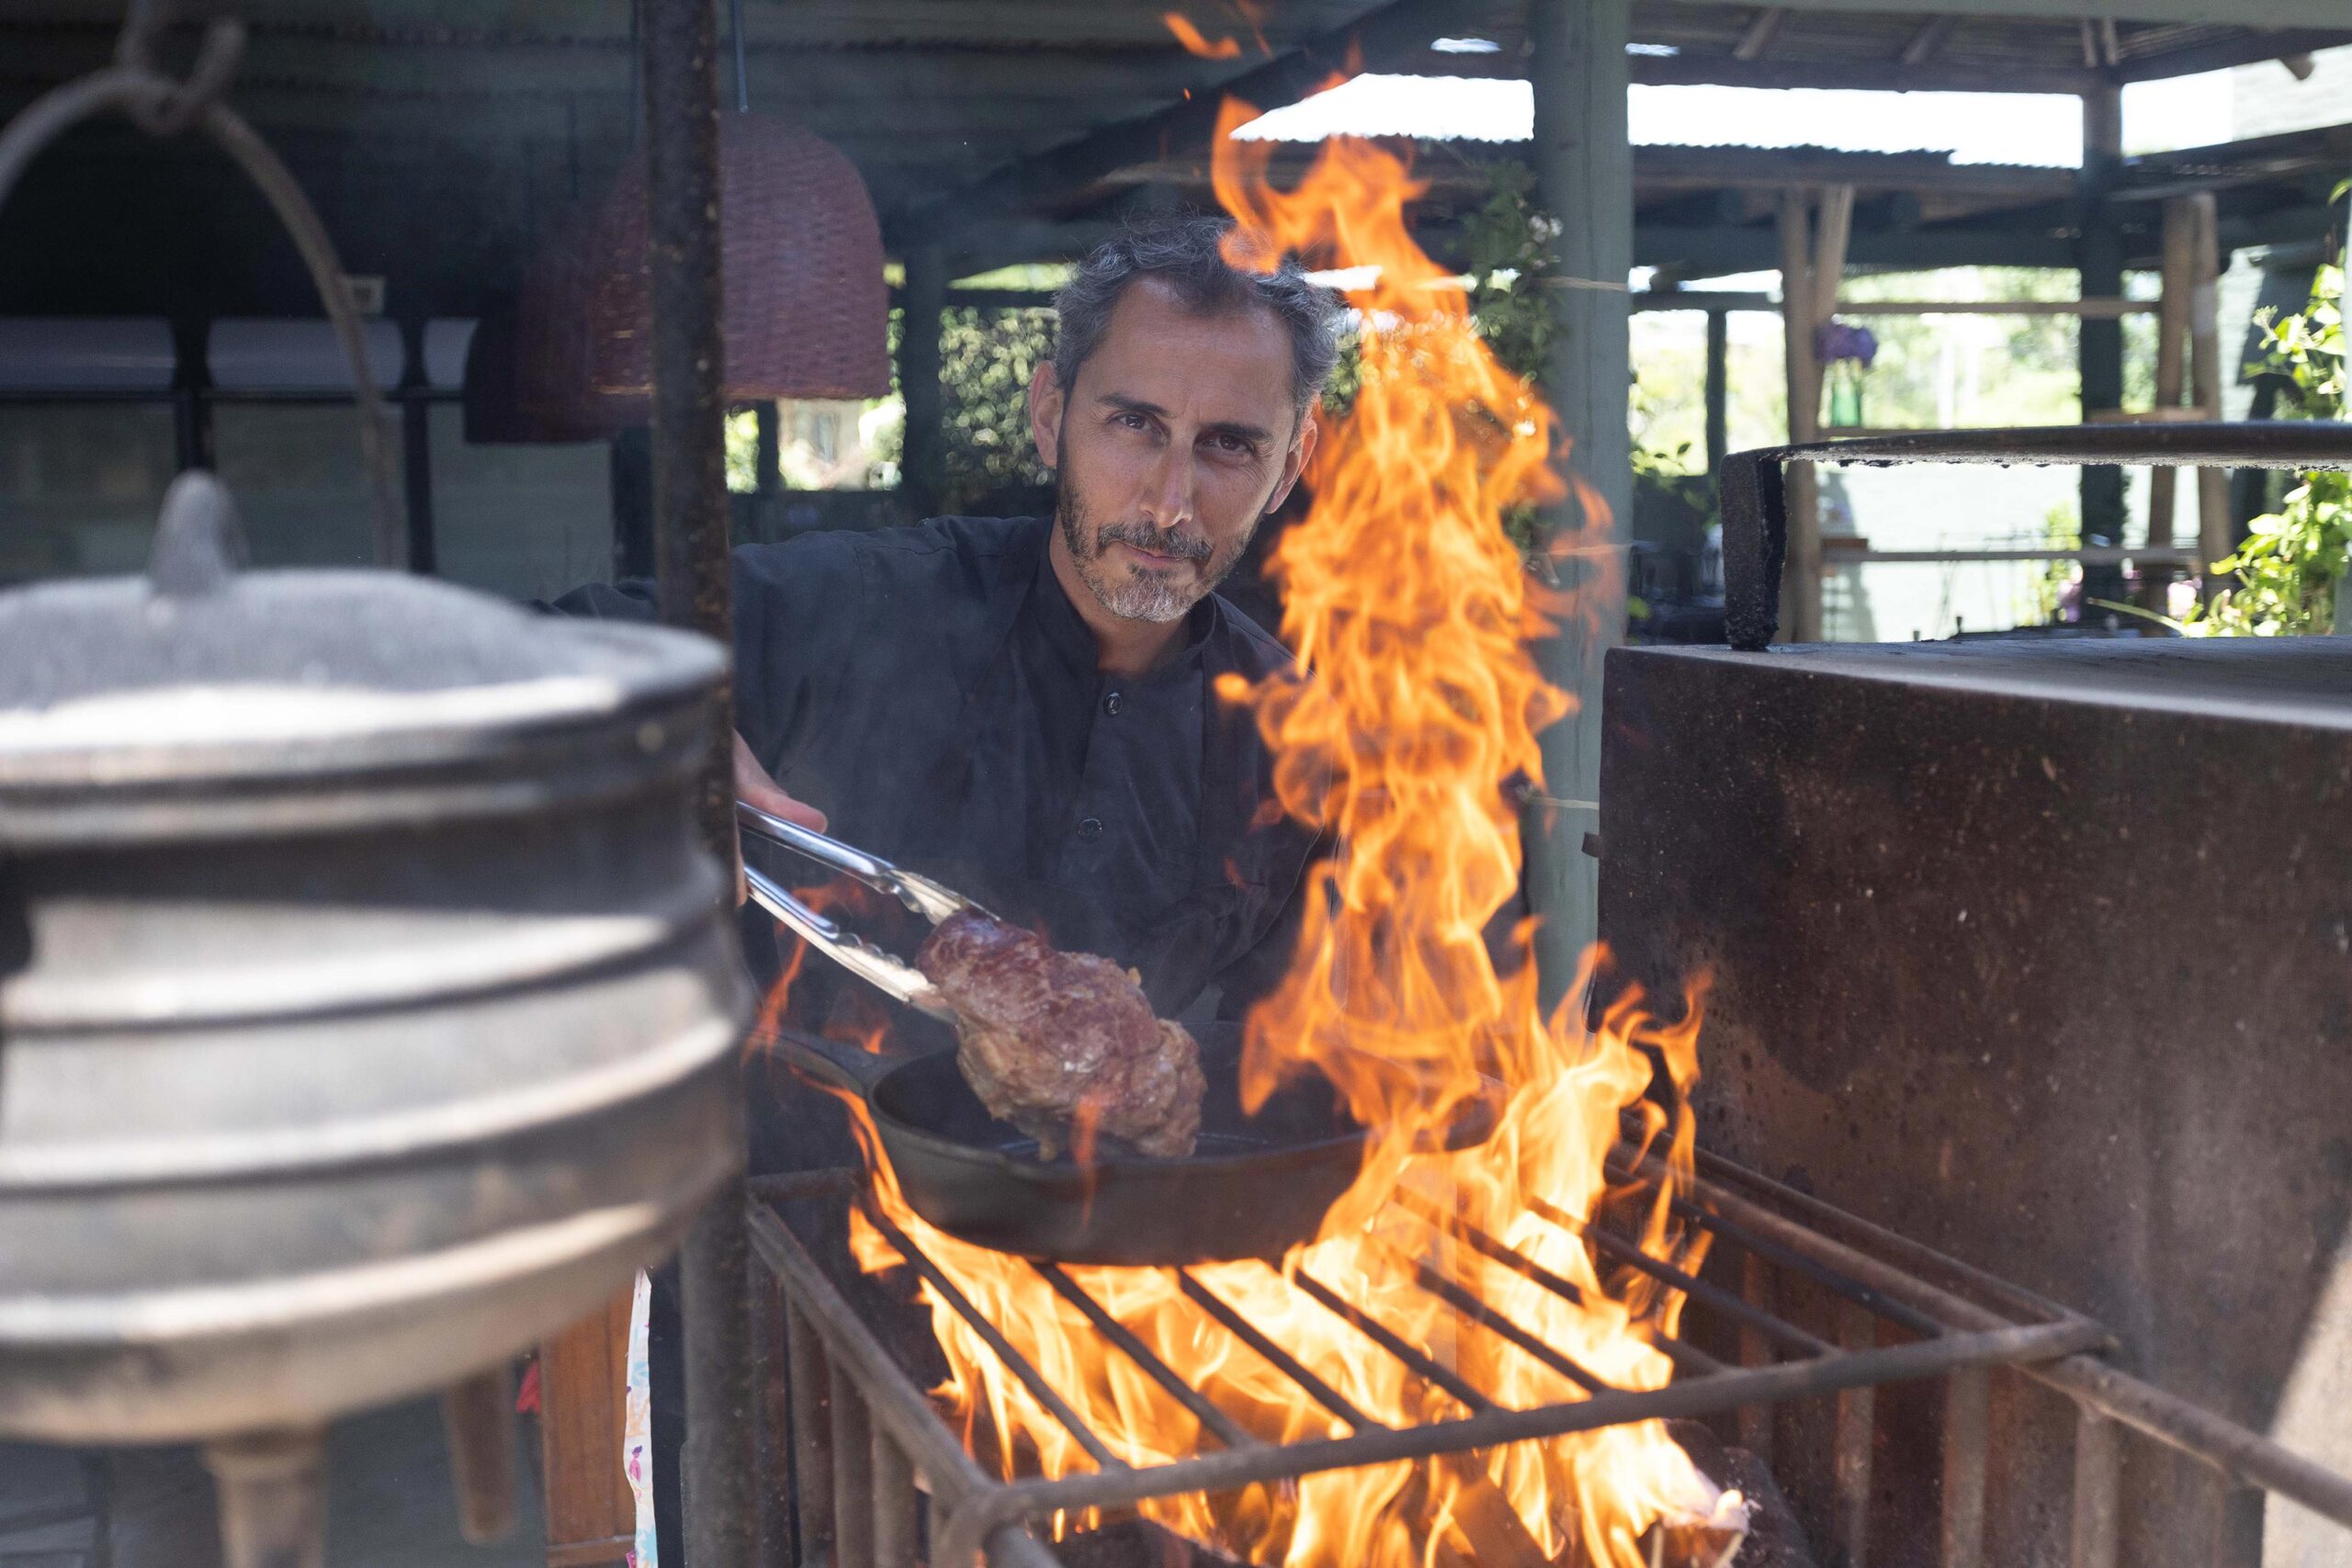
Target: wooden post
(630,470)
(584,1373)
(1812,259)
(2099,352)
(1804,490)
(2172,366)
(757,515)
(922,456)
(1718,386)
(1584,177)
(2205,381)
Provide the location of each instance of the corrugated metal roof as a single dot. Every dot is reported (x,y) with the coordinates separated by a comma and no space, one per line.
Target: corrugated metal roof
(2022,130)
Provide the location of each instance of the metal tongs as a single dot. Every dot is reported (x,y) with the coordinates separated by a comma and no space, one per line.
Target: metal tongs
(892,975)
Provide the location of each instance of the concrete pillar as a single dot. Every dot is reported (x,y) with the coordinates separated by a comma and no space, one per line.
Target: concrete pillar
(1584,177)
(2100,257)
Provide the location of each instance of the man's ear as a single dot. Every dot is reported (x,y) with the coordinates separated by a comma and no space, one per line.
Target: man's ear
(1294,460)
(1045,413)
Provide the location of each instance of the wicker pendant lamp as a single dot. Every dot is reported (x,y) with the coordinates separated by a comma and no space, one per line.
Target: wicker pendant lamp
(805,306)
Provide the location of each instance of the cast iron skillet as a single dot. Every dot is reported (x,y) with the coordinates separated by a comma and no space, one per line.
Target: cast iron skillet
(1255,1186)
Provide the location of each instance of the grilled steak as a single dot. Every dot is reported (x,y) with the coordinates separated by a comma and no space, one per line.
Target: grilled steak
(1050,1039)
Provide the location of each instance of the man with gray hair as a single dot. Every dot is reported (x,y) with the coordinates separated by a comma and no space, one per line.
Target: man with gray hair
(1025,708)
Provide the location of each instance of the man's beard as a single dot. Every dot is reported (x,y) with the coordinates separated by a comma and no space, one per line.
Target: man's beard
(1140,594)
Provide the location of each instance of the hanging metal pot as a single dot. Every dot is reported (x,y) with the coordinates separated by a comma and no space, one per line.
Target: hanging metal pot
(368,1005)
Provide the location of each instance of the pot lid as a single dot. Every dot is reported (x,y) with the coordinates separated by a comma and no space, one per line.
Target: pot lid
(200,666)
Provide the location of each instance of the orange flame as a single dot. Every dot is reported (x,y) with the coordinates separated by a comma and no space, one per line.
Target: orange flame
(1413,611)
(856,1015)
(1195,43)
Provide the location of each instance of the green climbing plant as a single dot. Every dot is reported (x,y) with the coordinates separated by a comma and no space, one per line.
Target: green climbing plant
(1510,256)
(1507,253)
(2291,566)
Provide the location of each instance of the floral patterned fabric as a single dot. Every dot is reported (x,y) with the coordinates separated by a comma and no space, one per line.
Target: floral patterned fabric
(637,1428)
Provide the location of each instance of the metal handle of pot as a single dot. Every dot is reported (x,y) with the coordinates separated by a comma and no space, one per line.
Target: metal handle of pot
(843,1065)
(164,108)
(1755,500)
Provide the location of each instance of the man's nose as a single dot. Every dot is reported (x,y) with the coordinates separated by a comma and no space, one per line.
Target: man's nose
(1167,501)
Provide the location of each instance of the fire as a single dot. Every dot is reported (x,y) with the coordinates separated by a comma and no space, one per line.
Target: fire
(856,1015)
(1196,43)
(1413,610)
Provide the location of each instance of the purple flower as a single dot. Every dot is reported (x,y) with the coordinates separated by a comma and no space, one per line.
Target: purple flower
(1837,340)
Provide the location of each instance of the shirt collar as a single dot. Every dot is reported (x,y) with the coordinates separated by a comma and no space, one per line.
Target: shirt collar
(1070,637)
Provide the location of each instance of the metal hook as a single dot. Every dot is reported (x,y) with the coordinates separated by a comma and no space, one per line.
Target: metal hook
(217,60)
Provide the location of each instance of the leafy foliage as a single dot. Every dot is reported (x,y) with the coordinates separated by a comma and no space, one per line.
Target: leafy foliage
(1507,249)
(986,357)
(2291,567)
(2046,592)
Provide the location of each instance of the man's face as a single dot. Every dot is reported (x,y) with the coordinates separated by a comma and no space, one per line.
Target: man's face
(1178,437)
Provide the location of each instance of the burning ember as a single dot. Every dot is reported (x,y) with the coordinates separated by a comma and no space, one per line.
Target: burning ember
(1413,610)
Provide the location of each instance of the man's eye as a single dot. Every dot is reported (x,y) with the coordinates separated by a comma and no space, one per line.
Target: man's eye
(1131,422)
(1233,445)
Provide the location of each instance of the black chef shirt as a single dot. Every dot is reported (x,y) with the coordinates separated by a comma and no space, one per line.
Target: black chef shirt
(936,693)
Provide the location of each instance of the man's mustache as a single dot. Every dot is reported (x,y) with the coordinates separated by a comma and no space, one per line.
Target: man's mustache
(1159,541)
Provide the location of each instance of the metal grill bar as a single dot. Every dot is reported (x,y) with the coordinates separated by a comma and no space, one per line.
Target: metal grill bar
(1218,1422)
(1955,1336)
(1373,1329)
(1486,1317)
(1967,1431)
(1895,1248)
(1722,1300)
(822,1320)
(2169,1418)
(1479,1241)
(1687,1358)
(1015,1361)
(1282,1362)
(1699,1396)
(1684,1356)
(1849,1525)
(1821,1274)
(812,1451)
(852,1480)
(895,1503)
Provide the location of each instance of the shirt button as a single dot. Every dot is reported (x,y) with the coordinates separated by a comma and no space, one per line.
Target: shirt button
(1090,828)
(1111,704)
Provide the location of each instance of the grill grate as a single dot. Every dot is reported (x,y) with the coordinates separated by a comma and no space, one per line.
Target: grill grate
(863,1429)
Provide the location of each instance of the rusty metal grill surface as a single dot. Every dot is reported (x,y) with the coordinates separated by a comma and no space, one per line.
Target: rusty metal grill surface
(861,1431)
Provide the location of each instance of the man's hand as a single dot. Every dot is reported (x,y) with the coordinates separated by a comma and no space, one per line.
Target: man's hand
(753,787)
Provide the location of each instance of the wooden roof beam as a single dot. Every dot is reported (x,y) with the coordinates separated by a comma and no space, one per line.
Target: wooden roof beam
(1382,33)
(2247,48)
(1759,34)
(1928,39)
(1887,74)
(1710,251)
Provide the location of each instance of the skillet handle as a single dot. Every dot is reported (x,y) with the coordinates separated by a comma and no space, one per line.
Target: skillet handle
(834,1062)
